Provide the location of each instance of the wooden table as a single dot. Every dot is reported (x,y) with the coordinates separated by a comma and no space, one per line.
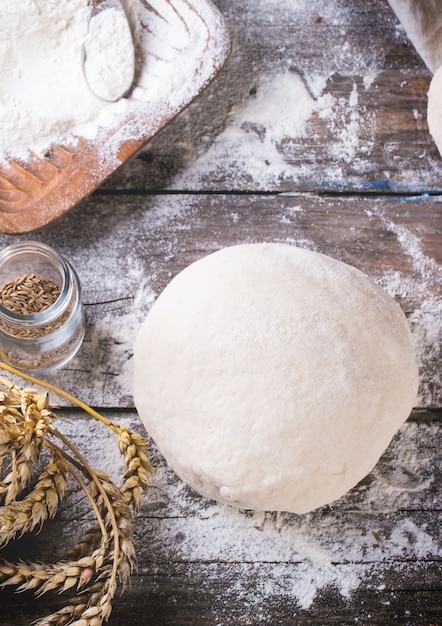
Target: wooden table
(314,134)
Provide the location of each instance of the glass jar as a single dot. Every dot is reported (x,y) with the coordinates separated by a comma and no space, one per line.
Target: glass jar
(41,314)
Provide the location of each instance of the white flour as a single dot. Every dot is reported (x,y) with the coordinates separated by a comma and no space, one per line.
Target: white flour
(109,65)
(255,144)
(43,93)
(255,131)
(44,97)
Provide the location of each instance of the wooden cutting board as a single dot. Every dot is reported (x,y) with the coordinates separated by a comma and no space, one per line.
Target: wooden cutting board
(38,190)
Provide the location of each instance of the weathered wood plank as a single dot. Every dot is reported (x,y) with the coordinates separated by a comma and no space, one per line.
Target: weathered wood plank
(319,96)
(375,552)
(127,248)
(214,595)
(165,233)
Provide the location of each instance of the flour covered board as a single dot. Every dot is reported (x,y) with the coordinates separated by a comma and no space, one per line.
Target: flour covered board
(180,47)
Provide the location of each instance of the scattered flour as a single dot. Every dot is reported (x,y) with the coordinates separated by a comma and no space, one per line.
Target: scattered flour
(317,550)
(271,134)
(107,349)
(346,123)
(251,142)
(110,341)
(360,540)
(286,93)
(255,131)
(256,143)
(411,245)
(426,325)
(426,320)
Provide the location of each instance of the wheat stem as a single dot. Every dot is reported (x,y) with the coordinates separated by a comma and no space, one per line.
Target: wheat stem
(82,484)
(58,391)
(103,494)
(106,551)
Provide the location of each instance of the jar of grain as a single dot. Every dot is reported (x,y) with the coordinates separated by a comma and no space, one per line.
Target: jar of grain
(41,314)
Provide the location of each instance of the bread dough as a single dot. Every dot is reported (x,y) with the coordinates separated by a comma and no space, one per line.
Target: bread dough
(434,110)
(272,377)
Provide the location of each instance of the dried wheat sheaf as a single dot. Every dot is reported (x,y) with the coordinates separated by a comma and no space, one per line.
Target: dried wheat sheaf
(36,461)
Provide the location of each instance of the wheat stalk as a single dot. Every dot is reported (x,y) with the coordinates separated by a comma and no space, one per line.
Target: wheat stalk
(24,417)
(118,560)
(137,464)
(21,516)
(105,554)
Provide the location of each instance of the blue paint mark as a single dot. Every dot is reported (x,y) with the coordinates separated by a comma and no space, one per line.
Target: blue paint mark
(382,187)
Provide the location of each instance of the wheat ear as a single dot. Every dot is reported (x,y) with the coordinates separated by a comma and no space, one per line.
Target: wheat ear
(106,553)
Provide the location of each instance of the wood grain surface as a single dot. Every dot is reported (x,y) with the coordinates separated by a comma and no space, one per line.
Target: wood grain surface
(352,173)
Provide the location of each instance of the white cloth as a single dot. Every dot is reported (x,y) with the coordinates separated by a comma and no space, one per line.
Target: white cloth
(422,21)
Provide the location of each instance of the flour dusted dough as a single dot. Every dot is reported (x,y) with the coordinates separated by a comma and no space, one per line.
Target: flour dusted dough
(272,377)
(434,111)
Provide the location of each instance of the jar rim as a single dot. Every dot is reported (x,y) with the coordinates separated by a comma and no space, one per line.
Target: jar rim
(54,310)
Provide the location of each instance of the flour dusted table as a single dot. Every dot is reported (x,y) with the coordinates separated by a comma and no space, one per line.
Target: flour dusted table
(314,134)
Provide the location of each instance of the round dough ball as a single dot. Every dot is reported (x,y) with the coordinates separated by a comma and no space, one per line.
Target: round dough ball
(434,109)
(272,377)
